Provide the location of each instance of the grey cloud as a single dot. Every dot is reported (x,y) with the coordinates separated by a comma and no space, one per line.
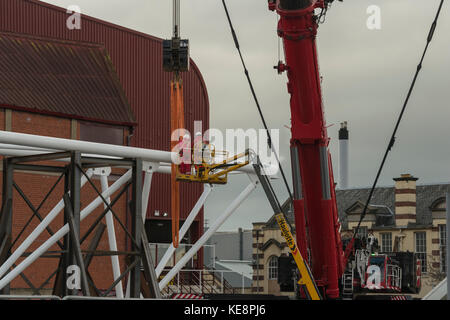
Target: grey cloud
(366,76)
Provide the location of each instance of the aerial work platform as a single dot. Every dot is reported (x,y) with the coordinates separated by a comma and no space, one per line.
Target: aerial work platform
(213,167)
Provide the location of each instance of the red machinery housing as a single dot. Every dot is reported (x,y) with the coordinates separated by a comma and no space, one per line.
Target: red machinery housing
(398,272)
(382,274)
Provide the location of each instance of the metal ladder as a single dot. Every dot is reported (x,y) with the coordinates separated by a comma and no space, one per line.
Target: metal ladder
(347,285)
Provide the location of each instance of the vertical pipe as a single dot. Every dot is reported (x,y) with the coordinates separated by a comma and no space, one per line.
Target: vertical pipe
(136,227)
(75,243)
(296,174)
(146,193)
(299,202)
(447,243)
(75,198)
(176,18)
(216,225)
(6,228)
(343,156)
(325,173)
(127,292)
(112,239)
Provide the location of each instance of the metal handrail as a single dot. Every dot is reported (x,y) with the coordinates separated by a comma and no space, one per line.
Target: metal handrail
(395,275)
(225,286)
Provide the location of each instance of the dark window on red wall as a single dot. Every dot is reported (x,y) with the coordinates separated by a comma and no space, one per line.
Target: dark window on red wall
(101,133)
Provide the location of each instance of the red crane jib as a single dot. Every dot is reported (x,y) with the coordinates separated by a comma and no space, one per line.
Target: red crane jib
(316,216)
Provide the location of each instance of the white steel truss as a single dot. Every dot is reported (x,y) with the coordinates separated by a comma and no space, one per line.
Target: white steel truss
(154,161)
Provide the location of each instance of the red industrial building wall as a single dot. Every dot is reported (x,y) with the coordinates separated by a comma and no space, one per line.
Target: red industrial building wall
(35,186)
(137,58)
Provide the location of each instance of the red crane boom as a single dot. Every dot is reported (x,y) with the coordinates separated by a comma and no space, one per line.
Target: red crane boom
(316,218)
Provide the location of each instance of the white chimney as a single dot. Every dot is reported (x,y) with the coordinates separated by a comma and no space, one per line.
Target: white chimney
(343,156)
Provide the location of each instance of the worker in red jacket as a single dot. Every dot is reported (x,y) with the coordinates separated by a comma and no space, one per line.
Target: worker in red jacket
(185,155)
(198,156)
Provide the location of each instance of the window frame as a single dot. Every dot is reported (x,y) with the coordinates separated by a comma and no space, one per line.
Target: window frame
(383,245)
(272,268)
(422,253)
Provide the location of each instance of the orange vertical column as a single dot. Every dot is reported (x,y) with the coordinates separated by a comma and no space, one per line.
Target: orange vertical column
(176,122)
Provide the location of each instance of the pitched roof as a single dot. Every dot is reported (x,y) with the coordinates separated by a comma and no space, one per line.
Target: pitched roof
(271,242)
(62,78)
(346,198)
(426,196)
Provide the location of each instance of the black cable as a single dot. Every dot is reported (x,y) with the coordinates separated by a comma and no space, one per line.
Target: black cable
(392,140)
(269,140)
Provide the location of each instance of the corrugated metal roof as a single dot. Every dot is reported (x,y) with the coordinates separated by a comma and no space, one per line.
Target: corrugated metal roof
(70,79)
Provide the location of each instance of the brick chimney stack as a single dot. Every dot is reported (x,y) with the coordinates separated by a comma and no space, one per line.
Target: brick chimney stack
(405,199)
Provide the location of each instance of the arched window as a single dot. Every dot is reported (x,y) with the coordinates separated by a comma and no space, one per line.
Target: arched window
(273,268)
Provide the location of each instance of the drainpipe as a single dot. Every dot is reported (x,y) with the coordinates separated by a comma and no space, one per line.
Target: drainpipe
(127,195)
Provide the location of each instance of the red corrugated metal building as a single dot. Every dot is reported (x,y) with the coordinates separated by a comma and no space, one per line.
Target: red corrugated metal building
(137,62)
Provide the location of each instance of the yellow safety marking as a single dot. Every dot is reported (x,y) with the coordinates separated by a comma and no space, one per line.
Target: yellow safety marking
(306,278)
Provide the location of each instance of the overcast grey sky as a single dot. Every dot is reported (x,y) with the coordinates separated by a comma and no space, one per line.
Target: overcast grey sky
(366,75)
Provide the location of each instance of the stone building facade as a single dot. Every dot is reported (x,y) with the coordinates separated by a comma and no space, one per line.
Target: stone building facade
(404,217)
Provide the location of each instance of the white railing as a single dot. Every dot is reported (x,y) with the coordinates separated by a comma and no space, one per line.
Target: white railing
(394,276)
(203,281)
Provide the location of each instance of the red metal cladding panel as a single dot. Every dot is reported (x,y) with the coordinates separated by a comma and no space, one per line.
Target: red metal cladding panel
(137,58)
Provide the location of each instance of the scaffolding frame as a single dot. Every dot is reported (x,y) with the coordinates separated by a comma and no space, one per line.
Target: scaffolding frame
(76,162)
(70,253)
